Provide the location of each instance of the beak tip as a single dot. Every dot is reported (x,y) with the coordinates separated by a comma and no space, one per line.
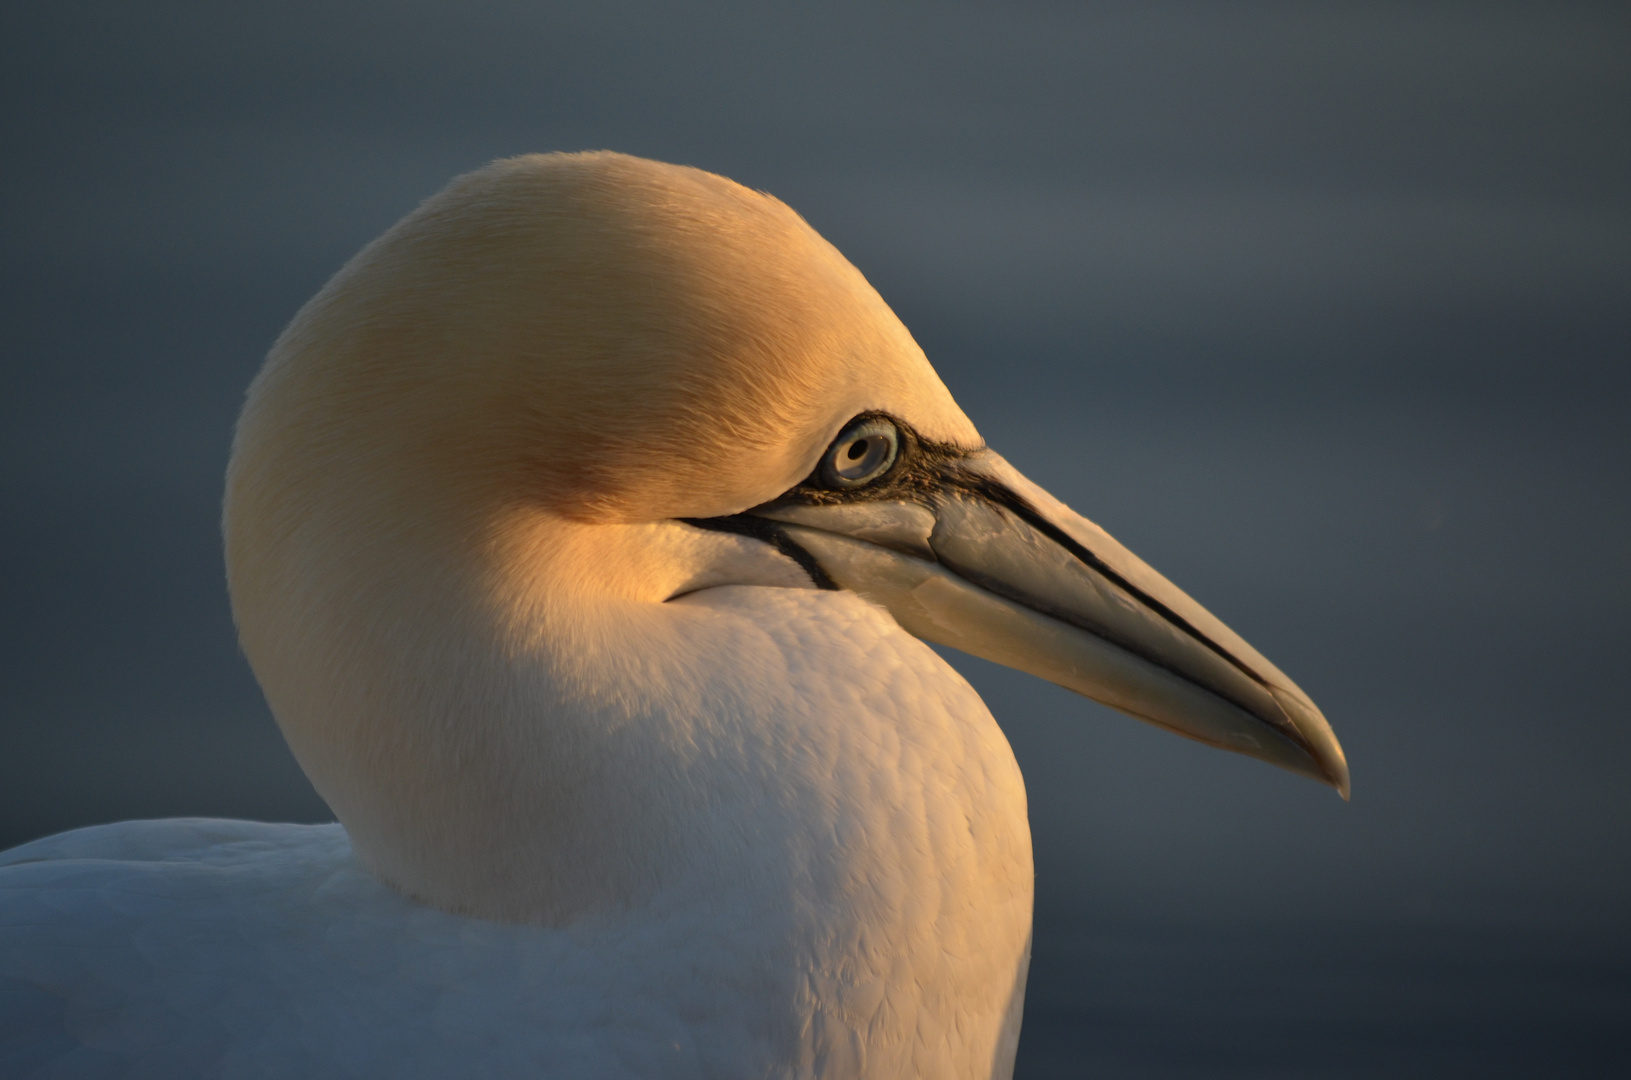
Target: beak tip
(1334,763)
(1341,780)
(1315,738)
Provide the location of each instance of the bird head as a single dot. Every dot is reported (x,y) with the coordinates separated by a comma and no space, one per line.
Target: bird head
(597,376)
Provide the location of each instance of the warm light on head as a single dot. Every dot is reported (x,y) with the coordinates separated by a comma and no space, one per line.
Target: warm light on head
(618,338)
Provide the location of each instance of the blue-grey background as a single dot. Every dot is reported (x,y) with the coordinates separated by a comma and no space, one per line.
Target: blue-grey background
(1323,309)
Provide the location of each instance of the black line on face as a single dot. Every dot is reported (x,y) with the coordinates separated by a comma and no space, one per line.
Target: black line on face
(919,472)
(772,533)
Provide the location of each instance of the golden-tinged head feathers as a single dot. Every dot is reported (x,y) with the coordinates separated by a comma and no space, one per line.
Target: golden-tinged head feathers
(616,338)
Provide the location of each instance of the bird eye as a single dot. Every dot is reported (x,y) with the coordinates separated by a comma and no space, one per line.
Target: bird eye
(861,454)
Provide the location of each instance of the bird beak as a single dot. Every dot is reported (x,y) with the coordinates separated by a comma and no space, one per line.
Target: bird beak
(984,561)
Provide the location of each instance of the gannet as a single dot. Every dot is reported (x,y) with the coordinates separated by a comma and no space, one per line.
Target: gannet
(585,533)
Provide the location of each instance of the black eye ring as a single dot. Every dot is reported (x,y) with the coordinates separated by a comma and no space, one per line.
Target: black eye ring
(862,452)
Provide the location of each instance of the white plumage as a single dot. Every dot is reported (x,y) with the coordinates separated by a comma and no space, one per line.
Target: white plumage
(574,531)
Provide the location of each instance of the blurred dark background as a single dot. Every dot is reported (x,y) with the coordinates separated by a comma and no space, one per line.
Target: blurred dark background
(1323,309)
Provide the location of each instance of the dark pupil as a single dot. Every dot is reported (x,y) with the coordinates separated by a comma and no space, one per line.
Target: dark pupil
(857,448)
